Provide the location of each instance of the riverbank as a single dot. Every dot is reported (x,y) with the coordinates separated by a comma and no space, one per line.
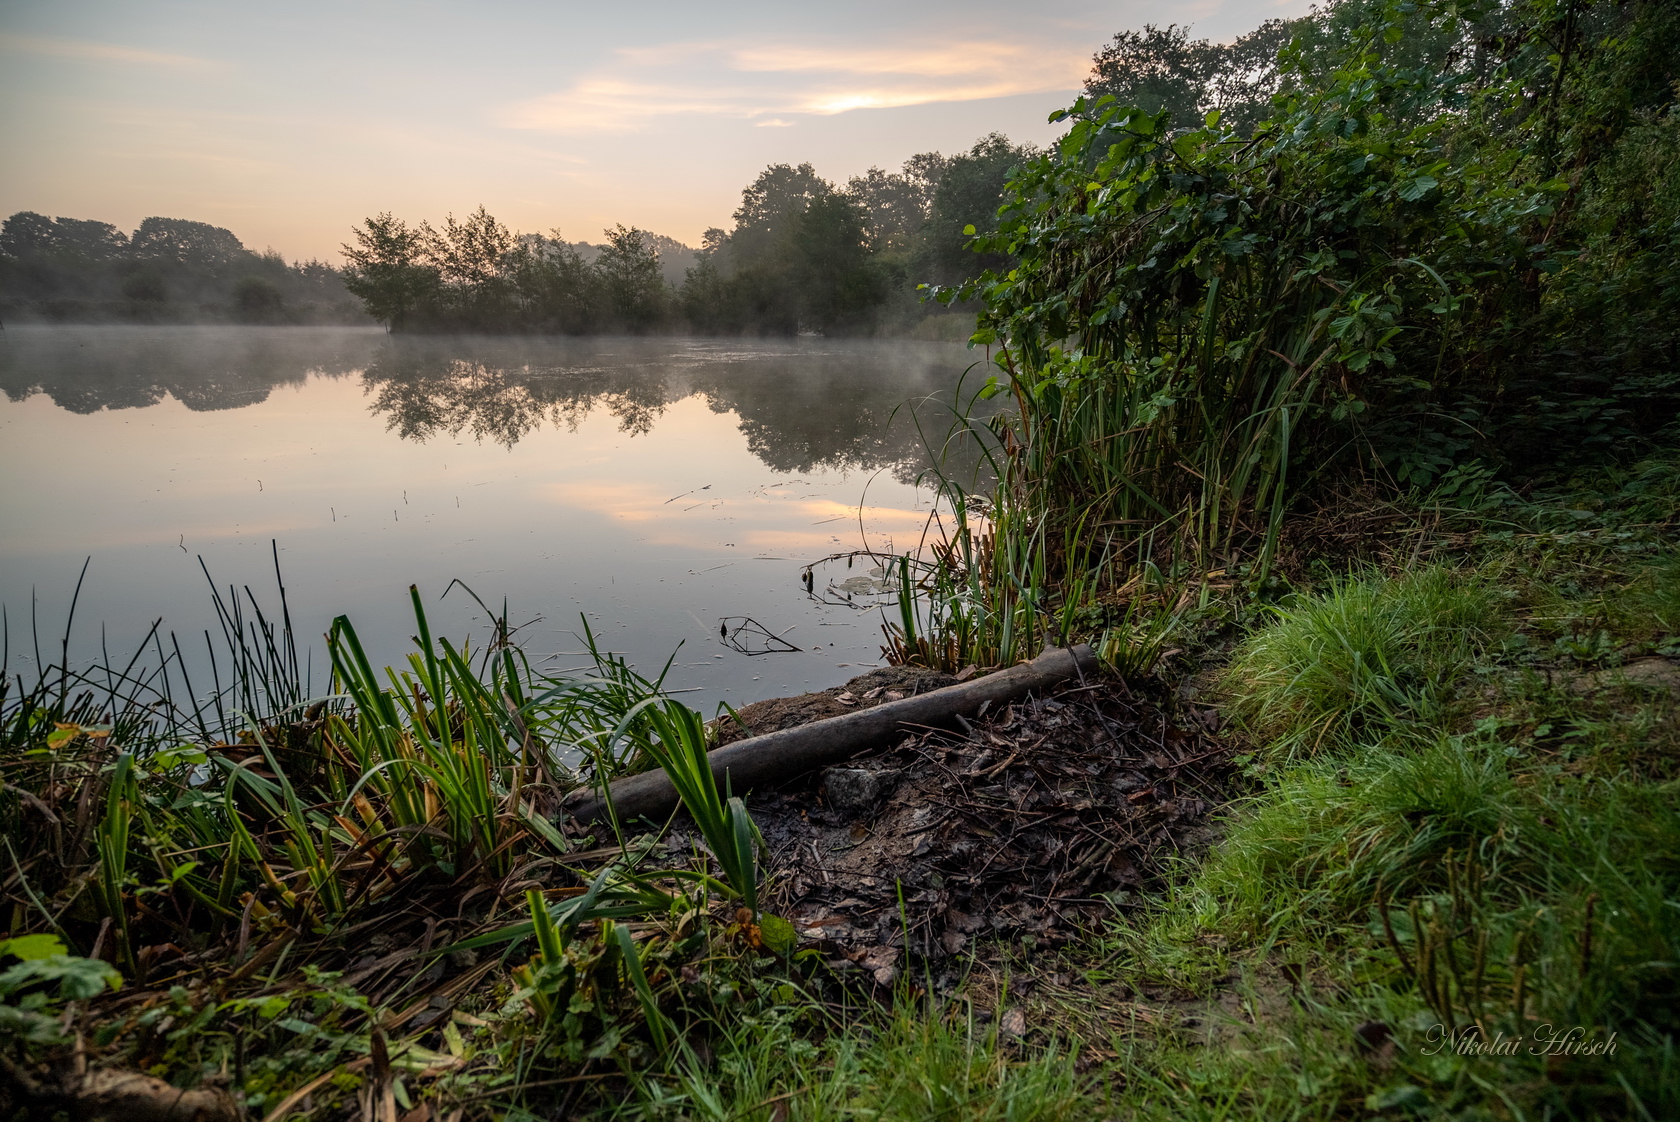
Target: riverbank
(1439,793)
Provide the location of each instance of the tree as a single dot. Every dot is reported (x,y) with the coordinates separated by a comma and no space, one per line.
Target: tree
(257,300)
(632,284)
(97,241)
(968,192)
(387,269)
(470,253)
(26,234)
(1154,69)
(185,242)
(1162,68)
(555,287)
(473,258)
(145,286)
(831,270)
(895,206)
(768,207)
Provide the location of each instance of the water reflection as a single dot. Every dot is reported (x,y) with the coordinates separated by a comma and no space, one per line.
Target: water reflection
(826,404)
(658,485)
(807,404)
(86,369)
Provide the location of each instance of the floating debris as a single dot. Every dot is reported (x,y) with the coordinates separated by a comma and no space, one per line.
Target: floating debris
(747,636)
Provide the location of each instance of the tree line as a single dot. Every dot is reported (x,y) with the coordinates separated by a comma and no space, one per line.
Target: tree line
(802,255)
(168,270)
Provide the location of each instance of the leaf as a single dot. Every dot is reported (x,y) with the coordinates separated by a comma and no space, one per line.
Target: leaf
(1013,1023)
(776,933)
(1415,189)
(32,947)
(77,978)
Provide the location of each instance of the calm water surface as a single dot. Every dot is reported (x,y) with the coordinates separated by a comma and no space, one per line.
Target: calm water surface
(658,486)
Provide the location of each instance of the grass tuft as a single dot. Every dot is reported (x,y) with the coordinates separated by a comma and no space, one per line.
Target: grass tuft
(1367,658)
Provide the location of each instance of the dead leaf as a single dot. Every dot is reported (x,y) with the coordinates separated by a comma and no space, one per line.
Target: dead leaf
(1014,1023)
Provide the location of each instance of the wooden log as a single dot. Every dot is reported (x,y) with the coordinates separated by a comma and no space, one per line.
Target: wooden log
(777,757)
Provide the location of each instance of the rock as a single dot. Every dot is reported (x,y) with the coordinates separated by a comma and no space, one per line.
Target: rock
(1650,675)
(857,791)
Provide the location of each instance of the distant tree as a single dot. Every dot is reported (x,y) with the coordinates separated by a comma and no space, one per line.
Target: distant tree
(895,206)
(26,234)
(474,257)
(555,286)
(97,241)
(1154,69)
(967,193)
(675,258)
(257,300)
(705,297)
(1247,78)
(471,252)
(835,284)
(632,285)
(388,270)
(146,287)
(768,208)
(185,242)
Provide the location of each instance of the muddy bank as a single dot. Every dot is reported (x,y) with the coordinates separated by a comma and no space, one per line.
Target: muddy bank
(1030,822)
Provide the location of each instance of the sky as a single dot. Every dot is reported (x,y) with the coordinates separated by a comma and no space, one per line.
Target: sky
(289,123)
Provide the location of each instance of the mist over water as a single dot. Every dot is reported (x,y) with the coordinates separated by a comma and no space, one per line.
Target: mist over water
(657,485)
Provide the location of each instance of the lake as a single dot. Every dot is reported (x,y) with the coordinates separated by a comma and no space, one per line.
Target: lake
(661,487)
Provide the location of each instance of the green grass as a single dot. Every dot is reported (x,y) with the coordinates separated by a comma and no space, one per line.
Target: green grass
(912,1061)
(1367,658)
(1446,832)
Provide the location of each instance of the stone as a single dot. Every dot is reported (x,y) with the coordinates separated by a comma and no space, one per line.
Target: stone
(855,790)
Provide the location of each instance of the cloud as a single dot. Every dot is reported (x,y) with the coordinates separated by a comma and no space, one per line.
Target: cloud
(767,83)
(95,52)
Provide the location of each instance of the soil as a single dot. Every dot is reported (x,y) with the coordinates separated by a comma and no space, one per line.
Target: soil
(1032,821)
(888,683)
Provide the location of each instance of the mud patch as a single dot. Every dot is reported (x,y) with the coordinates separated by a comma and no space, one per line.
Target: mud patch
(1032,821)
(887,683)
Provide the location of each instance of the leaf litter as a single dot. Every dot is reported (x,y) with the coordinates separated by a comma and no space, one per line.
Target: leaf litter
(1034,820)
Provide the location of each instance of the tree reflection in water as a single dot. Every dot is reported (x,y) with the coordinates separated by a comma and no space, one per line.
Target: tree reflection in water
(86,369)
(822,404)
(803,404)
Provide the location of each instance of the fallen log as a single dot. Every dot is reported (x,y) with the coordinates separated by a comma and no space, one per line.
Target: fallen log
(109,1095)
(777,757)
